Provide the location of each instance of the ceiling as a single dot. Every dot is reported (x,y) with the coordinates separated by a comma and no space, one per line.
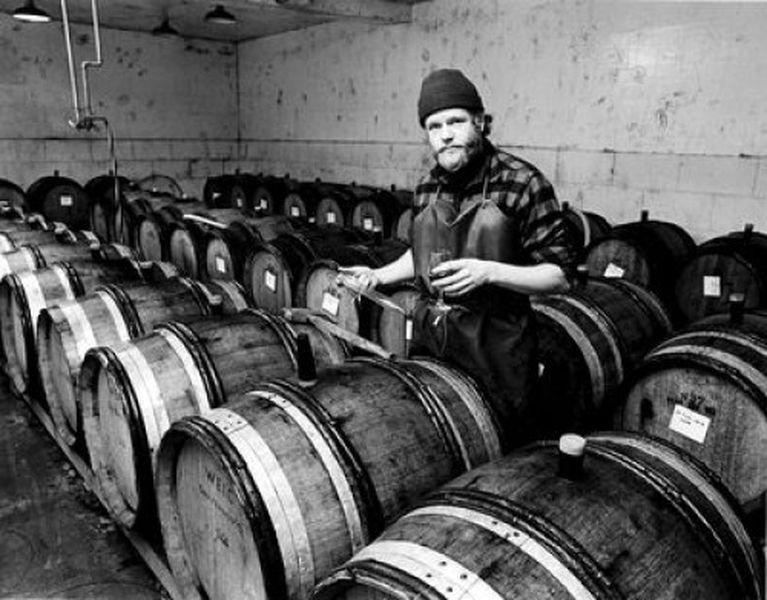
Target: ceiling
(255,18)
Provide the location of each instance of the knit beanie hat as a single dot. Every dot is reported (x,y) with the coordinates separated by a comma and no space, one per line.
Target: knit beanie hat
(446,88)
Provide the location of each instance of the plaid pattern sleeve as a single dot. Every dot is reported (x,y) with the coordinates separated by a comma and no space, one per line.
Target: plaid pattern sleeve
(543,235)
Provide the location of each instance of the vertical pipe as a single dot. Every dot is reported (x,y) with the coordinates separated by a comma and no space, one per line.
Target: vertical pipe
(86,64)
(71,61)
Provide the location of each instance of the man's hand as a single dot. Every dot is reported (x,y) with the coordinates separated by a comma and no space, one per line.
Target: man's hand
(358,278)
(462,275)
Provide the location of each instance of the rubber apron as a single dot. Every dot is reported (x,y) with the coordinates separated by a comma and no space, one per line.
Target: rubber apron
(489,332)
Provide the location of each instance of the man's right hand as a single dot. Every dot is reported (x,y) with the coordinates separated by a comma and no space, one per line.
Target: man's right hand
(358,278)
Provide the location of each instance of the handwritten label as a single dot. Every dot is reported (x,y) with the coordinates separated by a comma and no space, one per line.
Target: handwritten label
(263,204)
(66,200)
(220,265)
(216,195)
(238,202)
(408,329)
(312,219)
(689,423)
(367,224)
(294,211)
(330,303)
(712,286)
(270,280)
(330,217)
(613,270)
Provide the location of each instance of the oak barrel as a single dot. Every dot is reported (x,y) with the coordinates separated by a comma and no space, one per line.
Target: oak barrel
(12,198)
(403,227)
(274,271)
(226,250)
(262,497)
(584,227)
(267,195)
(110,314)
(336,204)
(705,390)
(154,229)
(188,237)
(217,191)
(643,522)
(589,340)
(650,253)
(733,263)
(375,209)
(24,295)
(132,392)
(301,201)
(105,193)
(60,199)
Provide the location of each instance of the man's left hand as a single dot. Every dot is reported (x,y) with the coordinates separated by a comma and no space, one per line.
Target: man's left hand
(462,275)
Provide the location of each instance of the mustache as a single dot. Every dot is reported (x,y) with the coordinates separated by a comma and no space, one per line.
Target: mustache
(452,147)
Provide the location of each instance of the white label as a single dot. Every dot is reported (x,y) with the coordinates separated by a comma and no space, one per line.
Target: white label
(66,200)
(330,217)
(220,265)
(689,423)
(238,202)
(541,369)
(312,219)
(216,195)
(367,224)
(408,329)
(712,286)
(613,270)
(263,204)
(330,303)
(294,212)
(270,280)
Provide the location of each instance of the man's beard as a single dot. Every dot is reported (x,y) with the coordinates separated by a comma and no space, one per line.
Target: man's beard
(455,158)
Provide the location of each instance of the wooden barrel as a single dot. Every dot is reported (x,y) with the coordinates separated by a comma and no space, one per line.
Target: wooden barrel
(9,240)
(336,204)
(30,257)
(244,194)
(705,390)
(647,252)
(12,198)
(589,340)
(268,196)
(643,522)
(158,183)
(734,263)
(179,370)
(217,191)
(60,199)
(135,205)
(24,295)
(105,193)
(226,250)
(402,228)
(274,271)
(319,290)
(394,330)
(321,470)
(584,228)
(110,314)
(187,238)
(301,201)
(154,229)
(377,209)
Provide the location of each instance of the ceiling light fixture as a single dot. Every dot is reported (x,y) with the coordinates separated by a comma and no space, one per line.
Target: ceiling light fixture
(221,16)
(29,13)
(165,28)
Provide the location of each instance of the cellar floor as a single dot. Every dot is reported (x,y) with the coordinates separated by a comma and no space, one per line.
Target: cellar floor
(56,540)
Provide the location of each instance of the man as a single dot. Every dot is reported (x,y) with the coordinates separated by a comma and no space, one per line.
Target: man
(498,217)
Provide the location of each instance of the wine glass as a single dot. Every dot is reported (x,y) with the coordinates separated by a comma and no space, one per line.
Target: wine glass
(437,257)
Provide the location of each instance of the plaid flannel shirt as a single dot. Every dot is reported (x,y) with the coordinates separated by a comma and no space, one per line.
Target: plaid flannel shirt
(523,194)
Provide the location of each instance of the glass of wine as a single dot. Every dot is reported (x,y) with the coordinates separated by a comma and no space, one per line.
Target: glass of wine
(437,257)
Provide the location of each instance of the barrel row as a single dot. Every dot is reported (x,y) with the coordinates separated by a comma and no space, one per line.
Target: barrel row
(245,462)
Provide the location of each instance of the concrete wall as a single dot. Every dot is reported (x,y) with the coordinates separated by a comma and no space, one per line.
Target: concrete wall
(171,103)
(624,104)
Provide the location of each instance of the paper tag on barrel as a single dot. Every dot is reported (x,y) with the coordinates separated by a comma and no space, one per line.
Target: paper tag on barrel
(330,303)
(613,270)
(712,286)
(294,211)
(689,423)
(270,280)
(220,265)
(66,200)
